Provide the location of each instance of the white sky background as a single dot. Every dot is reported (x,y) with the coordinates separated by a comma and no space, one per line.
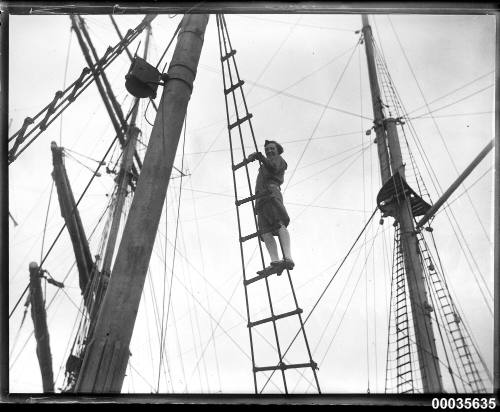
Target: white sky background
(348,335)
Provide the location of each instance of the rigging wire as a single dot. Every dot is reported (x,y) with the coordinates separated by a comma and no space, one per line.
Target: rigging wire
(58,289)
(449,203)
(64,80)
(321,193)
(364,218)
(327,286)
(453,115)
(431,111)
(452,92)
(322,114)
(436,125)
(275,92)
(297,24)
(46,219)
(168,46)
(350,300)
(464,319)
(358,154)
(175,244)
(61,230)
(436,185)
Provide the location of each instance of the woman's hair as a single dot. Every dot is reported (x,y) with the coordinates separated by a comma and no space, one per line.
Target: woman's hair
(278,146)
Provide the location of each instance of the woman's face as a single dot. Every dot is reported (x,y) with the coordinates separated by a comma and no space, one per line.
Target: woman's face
(271,150)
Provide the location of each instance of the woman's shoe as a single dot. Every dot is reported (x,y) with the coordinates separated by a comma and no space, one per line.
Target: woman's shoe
(288,263)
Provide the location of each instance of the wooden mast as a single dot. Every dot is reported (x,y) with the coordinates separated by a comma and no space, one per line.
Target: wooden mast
(389,145)
(106,358)
(73,222)
(122,183)
(41,331)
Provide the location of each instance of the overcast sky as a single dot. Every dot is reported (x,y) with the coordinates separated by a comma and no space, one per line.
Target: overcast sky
(293,66)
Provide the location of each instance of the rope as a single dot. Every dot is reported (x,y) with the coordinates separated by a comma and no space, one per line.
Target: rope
(205,289)
(349,303)
(322,114)
(430,112)
(326,287)
(437,127)
(57,290)
(168,46)
(175,246)
(46,219)
(62,102)
(468,188)
(64,81)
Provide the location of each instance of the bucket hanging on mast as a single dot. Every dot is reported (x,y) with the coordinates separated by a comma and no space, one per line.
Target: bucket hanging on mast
(142,79)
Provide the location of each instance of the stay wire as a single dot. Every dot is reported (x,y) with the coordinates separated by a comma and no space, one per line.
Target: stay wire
(64,81)
(326,288)
(64,225)
(176,232)
(57,290)
(46,219)
(452,92)
(437,127)
(322,113)
(436,185)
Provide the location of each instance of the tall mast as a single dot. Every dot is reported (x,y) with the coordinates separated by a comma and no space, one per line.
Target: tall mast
(41,331)
(105,362)
(122,184)
(389,148)
(73,222)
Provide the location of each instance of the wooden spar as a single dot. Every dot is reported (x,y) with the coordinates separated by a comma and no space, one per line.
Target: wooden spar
(378,115)
(435,207)
(112,106)
(111,96)
(122,182)
(39,317)
(424,335)
(106,358)
(71,216)
(98,82)
(420,307)
(120,35)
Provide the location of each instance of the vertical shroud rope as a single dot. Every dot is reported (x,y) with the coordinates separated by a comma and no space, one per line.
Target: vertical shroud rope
(232,84)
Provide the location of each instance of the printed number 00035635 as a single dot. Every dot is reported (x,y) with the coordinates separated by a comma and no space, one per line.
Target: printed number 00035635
(463,403)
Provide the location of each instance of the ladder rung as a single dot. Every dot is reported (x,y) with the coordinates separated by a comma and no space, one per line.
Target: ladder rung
(403,354)
(241,164)
(282,366)
(234,87)
(258,233)
(227,56)
(401,307)
(249,198)
(275,317)
(256,278)
(239,121)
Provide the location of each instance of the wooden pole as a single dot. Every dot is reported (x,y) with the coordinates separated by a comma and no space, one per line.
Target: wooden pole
(39,317)
(424,335)
(106,359)
(73,221)
(444,197)
(378,114)
(420,307)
